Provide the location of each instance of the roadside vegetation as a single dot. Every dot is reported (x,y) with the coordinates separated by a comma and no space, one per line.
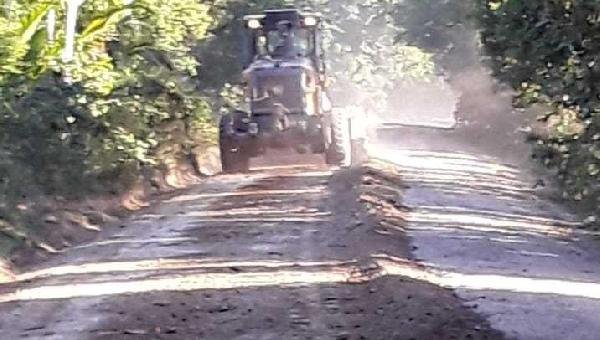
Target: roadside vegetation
(548,51)
(126,99)
(86,118)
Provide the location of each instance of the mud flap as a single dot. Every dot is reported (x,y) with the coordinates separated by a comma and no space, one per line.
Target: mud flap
(358,134)
(234,157)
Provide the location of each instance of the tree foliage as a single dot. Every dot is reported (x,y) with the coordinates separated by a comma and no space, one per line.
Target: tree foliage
(139,93)
(127,101)
(548,50)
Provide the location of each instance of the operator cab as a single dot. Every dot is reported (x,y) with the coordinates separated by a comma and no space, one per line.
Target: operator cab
(283,34)
(284,70)
(285,42)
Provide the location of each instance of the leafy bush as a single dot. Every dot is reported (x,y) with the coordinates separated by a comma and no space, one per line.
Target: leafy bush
(133,74)
(128,99)
(547,49)
(140,92)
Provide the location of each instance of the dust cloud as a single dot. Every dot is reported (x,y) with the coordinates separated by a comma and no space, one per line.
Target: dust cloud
(442,83)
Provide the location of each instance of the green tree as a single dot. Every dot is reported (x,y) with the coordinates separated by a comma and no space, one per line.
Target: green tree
(547,49)
(126,99)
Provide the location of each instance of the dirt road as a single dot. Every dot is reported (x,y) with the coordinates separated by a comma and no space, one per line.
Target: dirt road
(281,253)
(497,234)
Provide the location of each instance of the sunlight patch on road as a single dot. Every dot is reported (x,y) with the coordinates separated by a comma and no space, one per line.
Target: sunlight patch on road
(288,218)
(468,181)
(457,174)
(259,212)
(162,240)
(179,284)
(472,192)
(442,155)
(520,285)
(163,264)
(516,284)
(533,253)
(504,239)
(282,275)
(187,198)
(503,215)
(444,161)
(300,171)
(482,222)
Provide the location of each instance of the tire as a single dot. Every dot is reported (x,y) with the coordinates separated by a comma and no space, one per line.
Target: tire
(234,158)
(235,161)
(339,151)
(319,147)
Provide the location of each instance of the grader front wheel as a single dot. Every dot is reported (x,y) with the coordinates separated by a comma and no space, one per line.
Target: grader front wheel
(339,151)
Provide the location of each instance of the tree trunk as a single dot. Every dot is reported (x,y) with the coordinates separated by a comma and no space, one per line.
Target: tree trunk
(71,27)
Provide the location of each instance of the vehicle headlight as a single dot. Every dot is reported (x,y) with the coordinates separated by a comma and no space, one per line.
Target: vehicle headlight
(310,21)
(253,128)
(254,24)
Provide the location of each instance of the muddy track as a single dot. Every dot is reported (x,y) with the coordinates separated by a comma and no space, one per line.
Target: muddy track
(278,254)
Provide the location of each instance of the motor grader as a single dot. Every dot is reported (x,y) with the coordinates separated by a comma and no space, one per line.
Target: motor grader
(285,85)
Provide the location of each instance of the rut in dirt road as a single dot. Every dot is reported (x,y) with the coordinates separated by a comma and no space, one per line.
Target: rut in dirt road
(277,254)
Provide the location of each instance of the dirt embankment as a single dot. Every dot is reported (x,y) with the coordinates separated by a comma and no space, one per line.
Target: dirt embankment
(54,224)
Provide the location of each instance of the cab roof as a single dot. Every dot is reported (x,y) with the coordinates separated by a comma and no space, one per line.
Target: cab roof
(271,17)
